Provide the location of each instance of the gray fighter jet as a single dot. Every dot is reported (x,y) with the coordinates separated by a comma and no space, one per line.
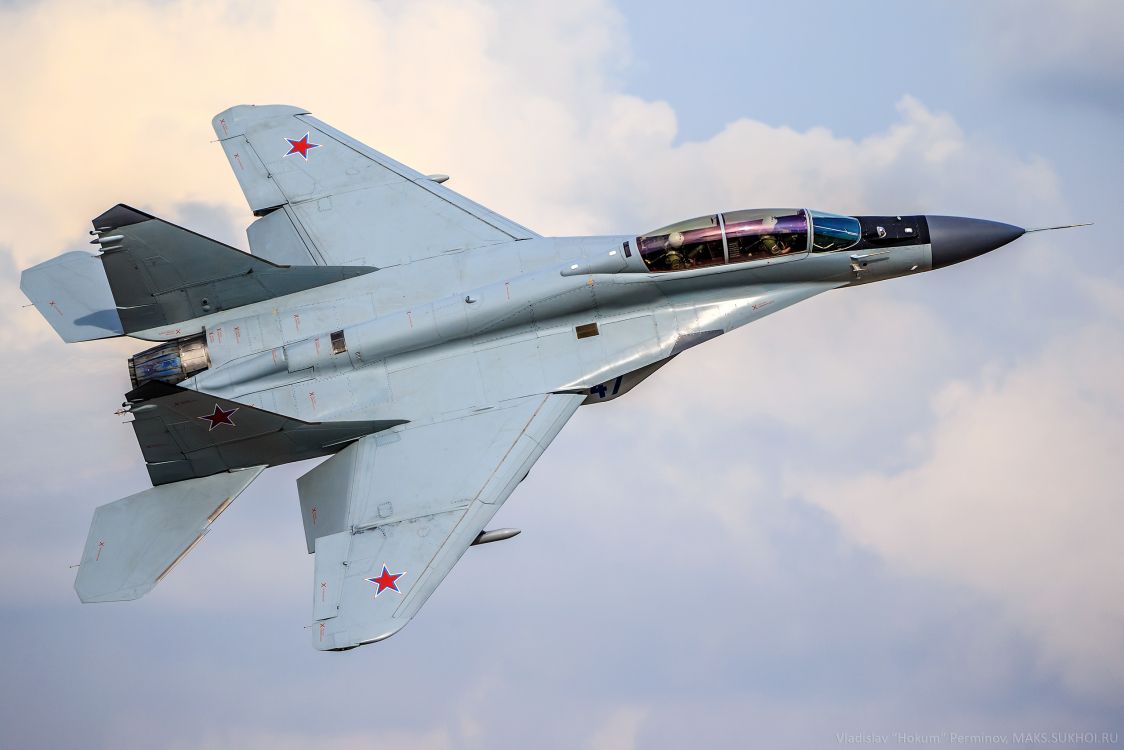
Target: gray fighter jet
(429,346)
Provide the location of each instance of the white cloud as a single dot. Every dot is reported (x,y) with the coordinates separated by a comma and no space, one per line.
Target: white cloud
(1068,50)
(619,730)
(265,740)
(548,137)
(1018,496)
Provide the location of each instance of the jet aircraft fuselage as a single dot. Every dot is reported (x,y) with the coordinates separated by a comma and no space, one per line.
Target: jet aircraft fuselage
(605,310)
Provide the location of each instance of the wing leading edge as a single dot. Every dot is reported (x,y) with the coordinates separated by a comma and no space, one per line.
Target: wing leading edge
(390,515)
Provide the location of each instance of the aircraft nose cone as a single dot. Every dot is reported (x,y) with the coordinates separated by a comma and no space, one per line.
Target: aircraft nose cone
(955,238)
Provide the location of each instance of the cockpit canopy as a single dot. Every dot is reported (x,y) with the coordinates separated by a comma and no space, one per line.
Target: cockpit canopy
(742,236)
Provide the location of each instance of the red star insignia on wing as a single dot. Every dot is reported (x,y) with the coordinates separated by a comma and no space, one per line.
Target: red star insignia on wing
(219,416)
(387,580)
(300,147)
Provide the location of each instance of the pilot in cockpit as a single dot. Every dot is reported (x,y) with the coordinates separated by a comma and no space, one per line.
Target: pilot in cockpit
(771,243)
(673,258)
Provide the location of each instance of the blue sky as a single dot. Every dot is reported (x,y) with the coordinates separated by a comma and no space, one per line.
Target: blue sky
(893,509)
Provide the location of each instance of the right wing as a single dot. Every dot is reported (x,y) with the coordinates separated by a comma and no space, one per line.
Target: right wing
(390,515)
(331,200)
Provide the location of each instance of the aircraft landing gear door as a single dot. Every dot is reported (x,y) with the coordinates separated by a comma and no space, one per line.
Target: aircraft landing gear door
(766,236)
(331,556)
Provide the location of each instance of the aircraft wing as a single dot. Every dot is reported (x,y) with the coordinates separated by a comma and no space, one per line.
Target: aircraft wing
(328,199)
(390,515)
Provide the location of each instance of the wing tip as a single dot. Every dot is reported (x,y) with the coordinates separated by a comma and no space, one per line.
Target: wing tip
(86,594)
(339,641)
(234,120)
(121,215)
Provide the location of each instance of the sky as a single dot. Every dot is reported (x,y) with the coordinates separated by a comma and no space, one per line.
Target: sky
(892,512)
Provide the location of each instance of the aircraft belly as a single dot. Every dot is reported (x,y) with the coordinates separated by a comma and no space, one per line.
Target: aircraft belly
(637,326)
(240,337)
(283,400)
(317,399)
(437,381)
(512,366)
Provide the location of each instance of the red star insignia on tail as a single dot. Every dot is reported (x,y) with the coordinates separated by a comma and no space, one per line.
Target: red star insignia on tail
(219,416)
(300,147)
(387,580)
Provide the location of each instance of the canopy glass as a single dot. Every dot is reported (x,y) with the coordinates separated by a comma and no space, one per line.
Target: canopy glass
(744,236)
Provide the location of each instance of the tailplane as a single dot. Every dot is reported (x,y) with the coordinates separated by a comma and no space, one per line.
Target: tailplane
(136,541)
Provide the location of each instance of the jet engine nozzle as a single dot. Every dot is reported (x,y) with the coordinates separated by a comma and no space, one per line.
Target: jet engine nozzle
(955,238)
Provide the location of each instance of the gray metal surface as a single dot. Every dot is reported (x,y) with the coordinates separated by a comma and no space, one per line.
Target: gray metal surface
(162,274)
(73,295)
(185,433)
(136,541)
(355,205)
(413,501)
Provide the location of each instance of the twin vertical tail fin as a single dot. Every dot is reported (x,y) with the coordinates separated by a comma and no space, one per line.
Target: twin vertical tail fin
(201,451)
(185,434)
(151,273)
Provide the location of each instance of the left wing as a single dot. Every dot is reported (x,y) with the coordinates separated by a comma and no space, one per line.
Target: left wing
(390,515)
(328,199)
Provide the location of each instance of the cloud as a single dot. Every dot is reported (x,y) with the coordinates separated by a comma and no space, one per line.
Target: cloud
(672,564)
(437,86)
(264,740)
(619,730)
(1068,51)
(1016,495)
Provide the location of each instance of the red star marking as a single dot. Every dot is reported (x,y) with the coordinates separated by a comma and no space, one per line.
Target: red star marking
(387,580)
(219,416)
(300,147)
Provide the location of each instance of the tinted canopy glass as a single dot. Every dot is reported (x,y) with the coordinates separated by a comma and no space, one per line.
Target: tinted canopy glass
(833,232)
(764,233)
(735,237)
(694,243)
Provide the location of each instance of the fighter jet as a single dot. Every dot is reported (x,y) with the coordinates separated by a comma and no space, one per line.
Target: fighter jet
(429,347)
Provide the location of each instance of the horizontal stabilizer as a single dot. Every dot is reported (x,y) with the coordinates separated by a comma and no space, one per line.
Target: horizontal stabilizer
(72,293)
(136,541)
(185,433)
